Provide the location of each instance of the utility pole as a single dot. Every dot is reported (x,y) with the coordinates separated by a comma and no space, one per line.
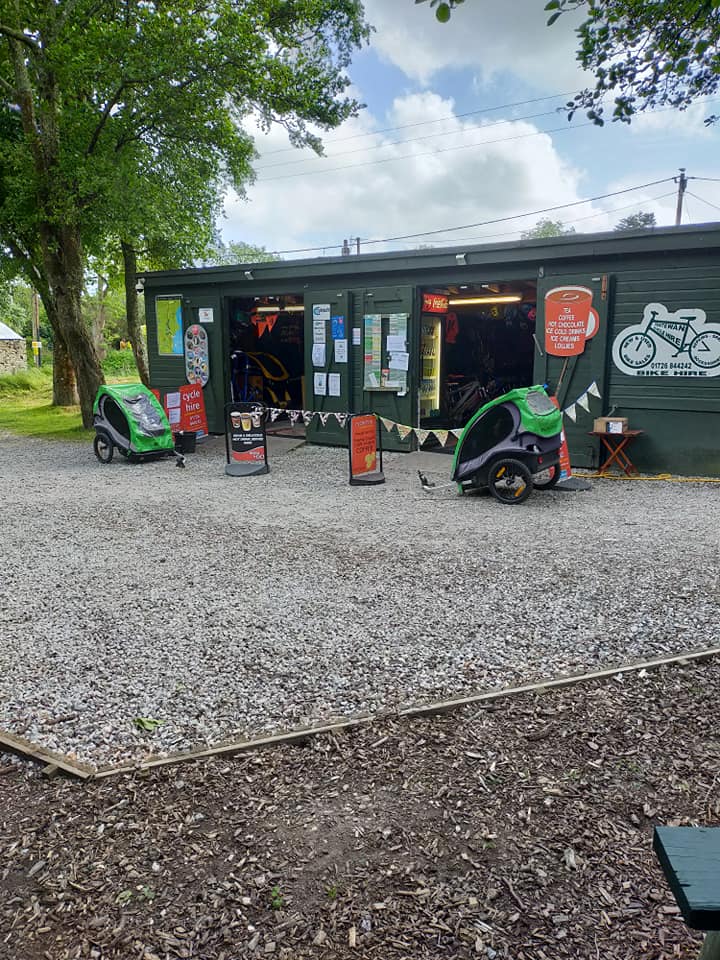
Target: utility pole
(36,327)
(345,248)
(357,241)
(682,183)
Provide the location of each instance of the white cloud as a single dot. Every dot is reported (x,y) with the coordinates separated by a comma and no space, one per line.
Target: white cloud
(679,123)
(489,38)
(473,171)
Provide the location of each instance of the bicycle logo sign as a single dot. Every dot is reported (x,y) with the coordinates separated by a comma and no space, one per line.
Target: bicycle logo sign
(665,344)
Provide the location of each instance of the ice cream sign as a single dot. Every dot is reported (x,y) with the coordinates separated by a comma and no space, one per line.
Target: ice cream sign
(570,320)
(679,344)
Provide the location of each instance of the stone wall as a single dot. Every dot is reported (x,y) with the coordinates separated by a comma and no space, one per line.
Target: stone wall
(13,357)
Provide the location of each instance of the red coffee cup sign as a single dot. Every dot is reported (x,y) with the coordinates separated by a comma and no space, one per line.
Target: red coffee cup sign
(569,320)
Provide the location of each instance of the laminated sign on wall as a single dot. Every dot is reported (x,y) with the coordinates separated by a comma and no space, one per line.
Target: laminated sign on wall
(665,344)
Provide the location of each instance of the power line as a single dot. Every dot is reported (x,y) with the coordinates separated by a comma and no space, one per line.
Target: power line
(395,143)
(702,199)
(429,153)
(412,156)
(592,216)
(422,123)
(486,223)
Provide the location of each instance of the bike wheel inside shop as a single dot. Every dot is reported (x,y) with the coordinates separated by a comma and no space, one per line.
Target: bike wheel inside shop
(476,343)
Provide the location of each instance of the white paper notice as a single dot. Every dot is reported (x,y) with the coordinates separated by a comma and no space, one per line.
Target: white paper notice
(395,344)
(321,311)
(172,400)
(319,331)
(174,415)
(399,361)
(206,315)
(320,384)
(334,384)
(340,354)
(318,354)
(357,333)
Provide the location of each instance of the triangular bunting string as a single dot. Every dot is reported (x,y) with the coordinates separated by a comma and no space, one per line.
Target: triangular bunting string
(593,389)
(442,436)
(421,435)
(294,416)
(403,430)
(388,424)
(341,418)
(323,418)
(584,402)
(307,416)
(457,432)
(570,411)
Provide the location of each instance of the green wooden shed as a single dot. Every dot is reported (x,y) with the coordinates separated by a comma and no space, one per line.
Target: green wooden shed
(626,324)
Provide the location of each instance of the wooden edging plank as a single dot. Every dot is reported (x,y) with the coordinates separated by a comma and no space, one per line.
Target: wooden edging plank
(85,772)
(49,757)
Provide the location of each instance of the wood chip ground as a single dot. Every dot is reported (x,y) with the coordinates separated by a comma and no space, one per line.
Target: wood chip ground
(519,830)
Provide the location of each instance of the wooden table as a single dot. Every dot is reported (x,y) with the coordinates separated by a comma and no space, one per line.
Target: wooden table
(616,445)
(690,859)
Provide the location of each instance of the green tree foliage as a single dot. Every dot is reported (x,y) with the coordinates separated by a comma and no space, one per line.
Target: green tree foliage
(643,54)
(131,127)
(547,228)
(237,252)
(637,221)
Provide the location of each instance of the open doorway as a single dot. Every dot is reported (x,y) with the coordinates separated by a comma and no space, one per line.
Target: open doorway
(477,342)
(267,358)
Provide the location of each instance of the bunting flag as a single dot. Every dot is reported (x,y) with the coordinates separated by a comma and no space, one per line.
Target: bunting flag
(307,416)
(341,418)
(570,411)
(403,430)
(323,418)
(274,414)
(593,389)
(442,436)
(388,424)
(457,432)
(584,402)
(421,435)
(294,416)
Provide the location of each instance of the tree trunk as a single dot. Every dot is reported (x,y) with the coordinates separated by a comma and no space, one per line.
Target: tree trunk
(64,392)
(131,309)
(100,317)
(62,255)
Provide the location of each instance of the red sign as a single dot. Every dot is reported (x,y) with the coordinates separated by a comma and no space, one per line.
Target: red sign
(434,303)
(565,470)
(185,409)
(363,445)
(570,320)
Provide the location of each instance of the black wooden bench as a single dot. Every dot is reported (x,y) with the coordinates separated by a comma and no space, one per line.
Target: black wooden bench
(690,858)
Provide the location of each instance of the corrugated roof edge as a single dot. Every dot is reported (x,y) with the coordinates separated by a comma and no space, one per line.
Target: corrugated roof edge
(569,246)
(7,333)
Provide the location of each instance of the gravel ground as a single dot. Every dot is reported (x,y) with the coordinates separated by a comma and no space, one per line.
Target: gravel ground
(517,831)
(228,607)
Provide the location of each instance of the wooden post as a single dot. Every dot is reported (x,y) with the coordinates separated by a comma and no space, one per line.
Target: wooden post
(711,946)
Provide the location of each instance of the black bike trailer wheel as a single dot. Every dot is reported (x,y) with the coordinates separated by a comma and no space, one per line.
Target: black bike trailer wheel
(546,479)
(510,481)
(103,447)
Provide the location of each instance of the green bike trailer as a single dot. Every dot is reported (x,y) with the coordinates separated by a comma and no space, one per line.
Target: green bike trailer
(510,446)
(129,418)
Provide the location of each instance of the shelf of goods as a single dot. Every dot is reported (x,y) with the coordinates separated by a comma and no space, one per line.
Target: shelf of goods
(430,345)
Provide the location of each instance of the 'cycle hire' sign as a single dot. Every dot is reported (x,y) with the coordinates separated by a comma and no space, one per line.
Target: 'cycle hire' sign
(679,344)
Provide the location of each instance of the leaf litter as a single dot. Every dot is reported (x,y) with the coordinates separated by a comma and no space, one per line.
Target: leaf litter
(458,836)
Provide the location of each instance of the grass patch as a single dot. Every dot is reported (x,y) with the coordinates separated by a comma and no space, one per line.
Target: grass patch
(31,381)
(26,408)
(33,415)
(26,404)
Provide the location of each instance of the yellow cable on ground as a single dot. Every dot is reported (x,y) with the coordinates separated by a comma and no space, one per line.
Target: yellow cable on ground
(667,477)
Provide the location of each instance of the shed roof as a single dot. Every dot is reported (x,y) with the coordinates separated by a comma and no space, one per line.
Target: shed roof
(7,334)
(530,253)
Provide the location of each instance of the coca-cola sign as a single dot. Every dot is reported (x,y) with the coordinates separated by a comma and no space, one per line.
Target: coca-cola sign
(434,303)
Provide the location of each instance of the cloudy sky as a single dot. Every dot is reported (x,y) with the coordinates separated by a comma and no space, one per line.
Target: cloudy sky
(461,128)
